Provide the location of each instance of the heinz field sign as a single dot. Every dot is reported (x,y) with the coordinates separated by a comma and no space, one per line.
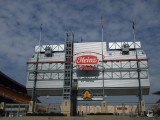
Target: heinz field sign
(87,60)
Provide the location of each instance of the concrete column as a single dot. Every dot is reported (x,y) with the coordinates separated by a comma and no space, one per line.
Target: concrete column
(30,110)
(143,106)
(123,109)
(2,106)
(115,109)
(66,107)
(104,107)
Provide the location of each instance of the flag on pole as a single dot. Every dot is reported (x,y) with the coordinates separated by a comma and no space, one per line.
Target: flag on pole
(133,25)
(102,22)
(40,35)
(41,27)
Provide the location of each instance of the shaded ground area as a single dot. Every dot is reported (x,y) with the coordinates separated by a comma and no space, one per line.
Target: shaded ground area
(99,117)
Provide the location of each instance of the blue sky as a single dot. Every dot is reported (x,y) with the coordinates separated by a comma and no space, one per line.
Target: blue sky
(20,21)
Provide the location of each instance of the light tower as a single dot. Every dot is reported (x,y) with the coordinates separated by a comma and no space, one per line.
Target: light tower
(138,72)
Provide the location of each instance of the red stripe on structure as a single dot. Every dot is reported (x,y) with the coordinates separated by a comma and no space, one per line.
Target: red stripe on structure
(143,59)
(46,62)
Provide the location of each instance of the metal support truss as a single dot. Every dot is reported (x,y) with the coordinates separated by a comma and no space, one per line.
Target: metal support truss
(46,71)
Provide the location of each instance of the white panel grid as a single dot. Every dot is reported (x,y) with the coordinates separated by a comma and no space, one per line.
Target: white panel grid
(45,66)
(47,76)
(39,66)
(125,64)
(133,64)
(108,75)
(116,64)
(61,76)
(54,76)
(116,75)
(143,64)
(125,74)
(53,48)
(31,76)
(60,66)
(31,67)
(107,65)
(119,45)
(133,74)
(39,76)
(53,66)
(143,74)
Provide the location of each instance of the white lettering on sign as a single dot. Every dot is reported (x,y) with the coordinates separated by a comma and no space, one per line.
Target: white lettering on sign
(87,59)
(83,67)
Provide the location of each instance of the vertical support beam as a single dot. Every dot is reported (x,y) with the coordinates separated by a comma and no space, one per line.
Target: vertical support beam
(74,101)
(34,96)
(69,93)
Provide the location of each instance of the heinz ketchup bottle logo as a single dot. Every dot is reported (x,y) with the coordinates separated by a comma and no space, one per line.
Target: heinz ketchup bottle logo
(87,59)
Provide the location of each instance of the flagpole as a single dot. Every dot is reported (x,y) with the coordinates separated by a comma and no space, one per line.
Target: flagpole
(34,94)
(40,35)
(138,70)
(102,54)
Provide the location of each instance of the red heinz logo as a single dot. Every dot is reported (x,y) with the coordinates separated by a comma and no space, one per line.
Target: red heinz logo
(87,59)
